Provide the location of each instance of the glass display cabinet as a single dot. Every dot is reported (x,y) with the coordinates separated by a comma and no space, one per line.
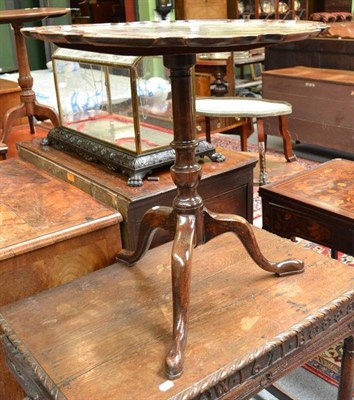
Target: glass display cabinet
(116,110)
(274,9)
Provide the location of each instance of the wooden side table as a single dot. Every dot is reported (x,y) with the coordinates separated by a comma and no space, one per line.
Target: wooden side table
(316,205)
(188,220)
(29,106)
(102,336)
(47,238)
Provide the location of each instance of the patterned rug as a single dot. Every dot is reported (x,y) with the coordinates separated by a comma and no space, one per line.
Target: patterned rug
(326,365)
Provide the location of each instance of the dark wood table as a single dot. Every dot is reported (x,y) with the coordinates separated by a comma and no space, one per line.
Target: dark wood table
(102,336)
(29,106)
(188,220)
(317,205)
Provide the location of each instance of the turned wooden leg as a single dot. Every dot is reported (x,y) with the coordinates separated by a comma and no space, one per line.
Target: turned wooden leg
(216,224)
(29,106)
(284,132)
(155,218)
(244,134)
(263,176)
(181,277)
(345,391)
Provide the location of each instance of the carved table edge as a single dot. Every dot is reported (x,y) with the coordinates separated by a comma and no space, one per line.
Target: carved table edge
(321,321)
(325,317)
(28,358)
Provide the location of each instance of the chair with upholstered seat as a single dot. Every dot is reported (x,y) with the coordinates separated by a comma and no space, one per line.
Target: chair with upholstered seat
(240,107)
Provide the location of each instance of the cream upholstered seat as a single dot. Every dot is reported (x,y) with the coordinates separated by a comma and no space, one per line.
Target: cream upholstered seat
(240,107)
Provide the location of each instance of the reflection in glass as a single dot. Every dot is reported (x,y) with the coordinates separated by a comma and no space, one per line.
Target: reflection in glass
(120,100)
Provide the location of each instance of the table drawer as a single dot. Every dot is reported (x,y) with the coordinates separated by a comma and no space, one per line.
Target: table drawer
(288,222)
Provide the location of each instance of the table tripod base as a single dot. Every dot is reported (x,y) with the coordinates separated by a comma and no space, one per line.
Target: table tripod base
(184,229)
(28,110)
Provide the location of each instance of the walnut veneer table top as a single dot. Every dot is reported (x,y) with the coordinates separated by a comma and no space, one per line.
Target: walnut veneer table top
(104,336)
(52,212)
(181,37)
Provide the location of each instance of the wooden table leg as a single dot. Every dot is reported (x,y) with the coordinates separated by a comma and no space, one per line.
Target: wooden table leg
(29,106)
(345,391)
(284,132)
(192,223)
(263,176)
(181,265)
(207,129)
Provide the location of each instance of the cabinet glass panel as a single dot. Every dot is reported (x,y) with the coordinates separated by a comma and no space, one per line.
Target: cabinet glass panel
(120,100)
(116,110)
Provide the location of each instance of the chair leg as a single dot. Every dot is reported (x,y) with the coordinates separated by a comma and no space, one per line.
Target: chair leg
(207,129)
(263,176)
(283,129)
(244,135)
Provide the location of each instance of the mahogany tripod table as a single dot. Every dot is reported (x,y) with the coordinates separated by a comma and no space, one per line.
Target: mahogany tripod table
(29,106)
(188,220)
